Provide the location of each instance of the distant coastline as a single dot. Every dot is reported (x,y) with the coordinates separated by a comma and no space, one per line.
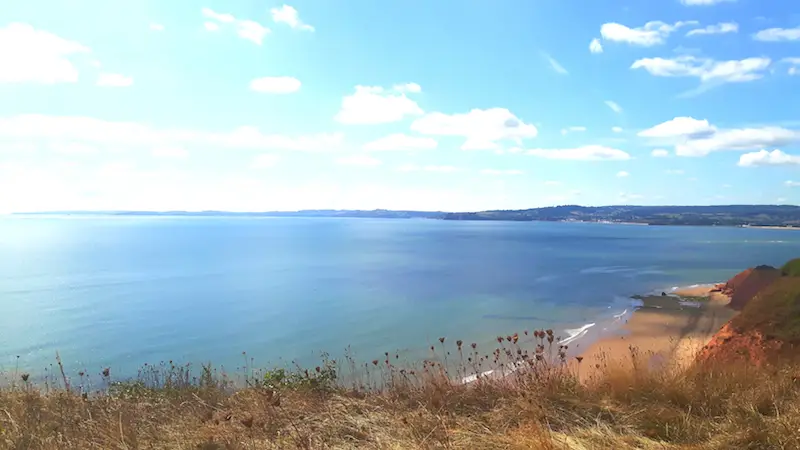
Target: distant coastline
(750,216)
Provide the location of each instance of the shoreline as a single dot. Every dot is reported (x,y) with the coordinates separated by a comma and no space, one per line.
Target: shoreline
(664,330)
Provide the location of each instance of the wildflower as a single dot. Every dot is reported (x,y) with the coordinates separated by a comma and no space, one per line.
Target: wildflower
(474,346)
(374,362)
(515,337)
(549,332)
(508,338)
(500,339)
(526,332)
(579,358)
(432,348)
(441,340)
(25,376)
(458,343)
(318,369)
(106,371)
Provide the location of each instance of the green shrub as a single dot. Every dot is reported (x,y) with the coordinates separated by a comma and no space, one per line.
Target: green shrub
(791,268)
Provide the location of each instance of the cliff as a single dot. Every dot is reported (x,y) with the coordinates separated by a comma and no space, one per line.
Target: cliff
(768,327)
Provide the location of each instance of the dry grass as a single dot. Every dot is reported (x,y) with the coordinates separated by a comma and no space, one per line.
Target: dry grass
(541,406)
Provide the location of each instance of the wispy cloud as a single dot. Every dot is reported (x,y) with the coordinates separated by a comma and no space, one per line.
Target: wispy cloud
(614,106)
(555,65)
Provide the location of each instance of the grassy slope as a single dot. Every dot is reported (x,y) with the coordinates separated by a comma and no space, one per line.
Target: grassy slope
(774,312)
(544,407)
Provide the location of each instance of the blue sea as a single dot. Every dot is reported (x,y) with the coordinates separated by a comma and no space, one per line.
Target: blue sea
(123,291)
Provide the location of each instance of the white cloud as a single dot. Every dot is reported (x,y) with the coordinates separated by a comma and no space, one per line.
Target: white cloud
(704,2)
(275,85)
(219,17)
(595,46)
(767,158)
(430,168)
(585,153)
(29,127)
(481,128)
(738,140)
(694,137)
(778,34)
(679,127)
(399,141)
(29,55)
(795,65)
(502,172)
(614,106)
(720,28)
(552,183)
(114,80)
(652,33)
(617,129)
(359,160)
(246,29)
(72,148)
(790,183)
(156,27)
(288,15)
(555,65)
(659,153)
(705,69)
(626,197)
(413,88)
(564,131)
(251,31)
(374,105)
(674,172)
(265,161)
(622,174)
(170,152)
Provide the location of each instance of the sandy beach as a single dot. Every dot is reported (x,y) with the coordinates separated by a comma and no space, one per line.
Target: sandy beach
(664,329)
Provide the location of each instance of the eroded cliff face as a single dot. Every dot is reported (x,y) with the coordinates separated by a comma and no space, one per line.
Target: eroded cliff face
(733,345)
(768,325)
(745,285)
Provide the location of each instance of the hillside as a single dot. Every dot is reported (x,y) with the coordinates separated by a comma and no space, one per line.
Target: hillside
(768,328)
(731,215)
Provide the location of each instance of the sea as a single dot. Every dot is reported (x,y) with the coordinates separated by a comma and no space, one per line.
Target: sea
(123,291)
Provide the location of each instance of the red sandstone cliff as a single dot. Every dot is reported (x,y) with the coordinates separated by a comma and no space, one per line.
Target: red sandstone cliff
(769,323)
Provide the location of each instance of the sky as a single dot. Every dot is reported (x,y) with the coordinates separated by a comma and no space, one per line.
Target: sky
(444,105)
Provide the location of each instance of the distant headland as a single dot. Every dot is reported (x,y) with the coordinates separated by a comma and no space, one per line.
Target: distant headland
(782,216)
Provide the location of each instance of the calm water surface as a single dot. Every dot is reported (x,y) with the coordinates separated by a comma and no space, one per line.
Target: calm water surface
(123,291)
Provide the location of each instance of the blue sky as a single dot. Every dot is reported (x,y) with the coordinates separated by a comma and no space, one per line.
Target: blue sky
(446,105)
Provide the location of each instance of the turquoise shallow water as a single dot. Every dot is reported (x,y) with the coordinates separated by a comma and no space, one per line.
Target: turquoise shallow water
(123,291)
